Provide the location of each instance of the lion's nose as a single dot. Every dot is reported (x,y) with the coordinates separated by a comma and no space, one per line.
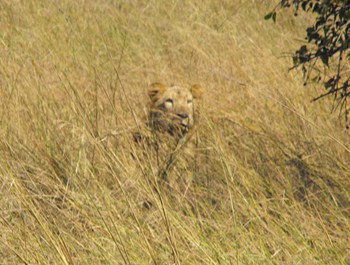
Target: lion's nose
(182,115)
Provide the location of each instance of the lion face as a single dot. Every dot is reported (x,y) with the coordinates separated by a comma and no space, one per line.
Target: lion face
(172,108)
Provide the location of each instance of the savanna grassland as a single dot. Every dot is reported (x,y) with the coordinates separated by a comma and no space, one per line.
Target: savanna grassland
(272,183)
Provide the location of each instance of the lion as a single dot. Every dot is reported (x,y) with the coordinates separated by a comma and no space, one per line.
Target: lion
(172,108)
(170,130)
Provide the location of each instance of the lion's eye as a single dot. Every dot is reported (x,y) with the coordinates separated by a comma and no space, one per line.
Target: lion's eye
(169,103)
(189,101)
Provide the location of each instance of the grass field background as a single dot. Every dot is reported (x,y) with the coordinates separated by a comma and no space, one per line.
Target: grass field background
(274,176)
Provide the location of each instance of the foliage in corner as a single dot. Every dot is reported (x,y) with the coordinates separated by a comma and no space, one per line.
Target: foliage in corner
(326,56)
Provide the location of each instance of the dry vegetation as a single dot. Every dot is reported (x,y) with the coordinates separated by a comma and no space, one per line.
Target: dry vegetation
(272,183)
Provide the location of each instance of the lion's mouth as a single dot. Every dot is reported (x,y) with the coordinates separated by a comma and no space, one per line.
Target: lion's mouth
(184,127)
(180,128)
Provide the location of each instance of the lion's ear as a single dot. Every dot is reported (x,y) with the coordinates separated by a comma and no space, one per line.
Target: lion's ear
(197,91)
(155,90)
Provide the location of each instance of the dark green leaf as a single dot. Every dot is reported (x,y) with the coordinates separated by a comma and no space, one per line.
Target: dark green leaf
(274,17)
(268,16)
(303,5)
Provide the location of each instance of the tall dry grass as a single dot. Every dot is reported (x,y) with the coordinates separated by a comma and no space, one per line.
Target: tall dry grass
(272,184)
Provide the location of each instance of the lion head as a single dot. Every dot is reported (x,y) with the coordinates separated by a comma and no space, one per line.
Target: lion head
(172,107)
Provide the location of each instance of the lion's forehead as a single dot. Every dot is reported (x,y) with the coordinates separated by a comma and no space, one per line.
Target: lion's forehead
(178,92)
